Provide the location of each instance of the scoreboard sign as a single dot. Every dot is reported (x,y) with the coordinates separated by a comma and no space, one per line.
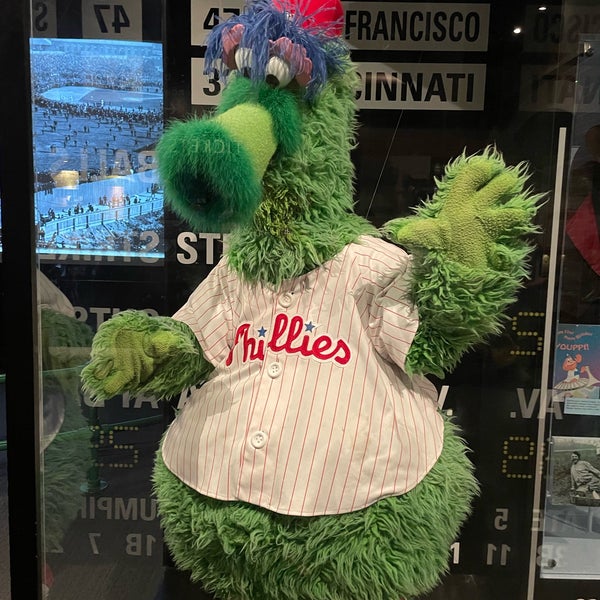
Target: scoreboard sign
(43,18)
(112,21)
(456,27)
(381,27)
(421,86)
(426,26)
(408,86)
(96,20)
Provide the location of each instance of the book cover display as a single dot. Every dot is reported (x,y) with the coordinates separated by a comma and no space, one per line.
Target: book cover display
(576,364)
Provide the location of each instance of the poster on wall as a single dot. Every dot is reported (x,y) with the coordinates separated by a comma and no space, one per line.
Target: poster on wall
(576,364)
(571,534)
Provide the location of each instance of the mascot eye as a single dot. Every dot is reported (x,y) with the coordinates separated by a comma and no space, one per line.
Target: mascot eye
(243,61)
(277,73)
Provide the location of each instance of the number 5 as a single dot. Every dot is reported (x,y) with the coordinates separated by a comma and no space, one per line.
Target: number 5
(501,520)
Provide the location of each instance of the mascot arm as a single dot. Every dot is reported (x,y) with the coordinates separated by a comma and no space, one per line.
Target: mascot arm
(133,352)
(469,257)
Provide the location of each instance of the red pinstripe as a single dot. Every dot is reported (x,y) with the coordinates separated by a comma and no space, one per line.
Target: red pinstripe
(339,435)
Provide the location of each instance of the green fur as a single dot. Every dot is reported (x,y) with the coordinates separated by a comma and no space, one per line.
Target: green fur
(155,355)
(303,224)
(450,323)
(467,269)
(470,255)
(208,178)
(396,548)
(480,207)
(65,346)
(284,110)
(67,457)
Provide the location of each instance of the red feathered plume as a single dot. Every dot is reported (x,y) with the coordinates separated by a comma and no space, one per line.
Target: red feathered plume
(327,15)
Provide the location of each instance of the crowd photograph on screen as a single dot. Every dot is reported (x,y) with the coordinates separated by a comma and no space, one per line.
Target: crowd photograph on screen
(97,112)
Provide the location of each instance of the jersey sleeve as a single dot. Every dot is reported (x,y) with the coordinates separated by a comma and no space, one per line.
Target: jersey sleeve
(385,286)
(208,313)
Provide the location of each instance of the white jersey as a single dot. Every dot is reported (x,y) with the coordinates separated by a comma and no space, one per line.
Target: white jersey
(308,410)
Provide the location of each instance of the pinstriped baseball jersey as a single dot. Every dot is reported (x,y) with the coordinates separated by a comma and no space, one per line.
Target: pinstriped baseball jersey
(308,410)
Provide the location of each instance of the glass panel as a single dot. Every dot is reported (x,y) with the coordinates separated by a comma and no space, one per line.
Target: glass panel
(571,542)
(97,112)
(4,540)
(19,394)
(436,80)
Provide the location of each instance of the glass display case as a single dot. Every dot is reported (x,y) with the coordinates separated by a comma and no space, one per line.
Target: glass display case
(86,235)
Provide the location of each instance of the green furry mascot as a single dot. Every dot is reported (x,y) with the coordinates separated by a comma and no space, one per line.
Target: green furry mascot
(310,461)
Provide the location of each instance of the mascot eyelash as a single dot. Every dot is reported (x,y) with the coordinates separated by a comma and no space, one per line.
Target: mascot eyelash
(313,52)
(313,462)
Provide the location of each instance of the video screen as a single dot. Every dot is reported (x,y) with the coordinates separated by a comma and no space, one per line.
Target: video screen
(97,110)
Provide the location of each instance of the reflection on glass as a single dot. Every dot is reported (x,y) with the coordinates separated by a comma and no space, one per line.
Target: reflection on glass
(571,528)
(4,549)
(571,525)
(65,443)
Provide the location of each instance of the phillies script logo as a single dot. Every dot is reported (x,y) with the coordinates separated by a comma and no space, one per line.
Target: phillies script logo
(289,335)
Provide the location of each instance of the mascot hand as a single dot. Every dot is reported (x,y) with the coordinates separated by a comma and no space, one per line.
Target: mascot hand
(480,207)
(126,352)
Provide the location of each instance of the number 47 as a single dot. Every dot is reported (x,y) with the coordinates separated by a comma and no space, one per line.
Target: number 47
(120,18)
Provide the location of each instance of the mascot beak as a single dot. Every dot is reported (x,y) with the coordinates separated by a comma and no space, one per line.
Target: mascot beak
(212,167)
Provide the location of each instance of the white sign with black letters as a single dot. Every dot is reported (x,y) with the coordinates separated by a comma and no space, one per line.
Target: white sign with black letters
(408,86)
(43,18)
(112,21)
(421,86)
(205,14)
(427,26)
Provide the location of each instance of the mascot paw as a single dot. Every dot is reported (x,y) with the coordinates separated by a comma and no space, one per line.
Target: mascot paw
(480,207)
(126,351)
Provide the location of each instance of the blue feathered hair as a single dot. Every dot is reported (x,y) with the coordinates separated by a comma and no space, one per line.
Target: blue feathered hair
(263,22)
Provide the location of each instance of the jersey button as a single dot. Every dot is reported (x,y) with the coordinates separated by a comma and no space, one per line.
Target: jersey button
(258,439)
(285,300)
(274,370)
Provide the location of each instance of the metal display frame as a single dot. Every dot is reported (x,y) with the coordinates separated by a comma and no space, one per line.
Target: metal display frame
(501,395)
(19,304)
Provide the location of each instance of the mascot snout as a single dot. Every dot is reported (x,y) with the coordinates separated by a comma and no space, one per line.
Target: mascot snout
(227,155)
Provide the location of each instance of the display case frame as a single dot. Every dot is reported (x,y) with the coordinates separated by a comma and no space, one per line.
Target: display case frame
(19,307)
(500,394)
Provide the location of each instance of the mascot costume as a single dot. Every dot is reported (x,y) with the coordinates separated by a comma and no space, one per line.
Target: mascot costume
(310,460)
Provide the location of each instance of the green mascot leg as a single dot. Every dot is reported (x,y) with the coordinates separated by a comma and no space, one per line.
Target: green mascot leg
(396,548)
